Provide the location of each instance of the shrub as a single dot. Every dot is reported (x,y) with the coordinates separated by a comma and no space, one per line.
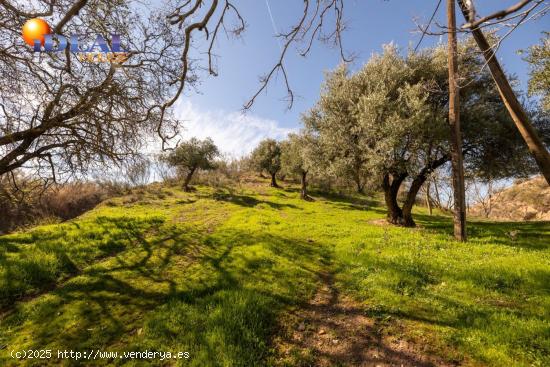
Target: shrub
(25,201)
(71,200)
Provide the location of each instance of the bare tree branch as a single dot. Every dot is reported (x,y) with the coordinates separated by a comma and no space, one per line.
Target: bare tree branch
(499,14)
(307,29)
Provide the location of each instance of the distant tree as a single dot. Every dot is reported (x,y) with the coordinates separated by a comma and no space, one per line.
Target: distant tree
(267,157)
(538,56)
(191,156)
(394,112)
(484,192)
(298,157)
(138,171)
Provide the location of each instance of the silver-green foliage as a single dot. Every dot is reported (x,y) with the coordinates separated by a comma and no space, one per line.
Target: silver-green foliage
(267,157)
(193,155)
(300,153)
(389,120)
(538,56)
(391,116)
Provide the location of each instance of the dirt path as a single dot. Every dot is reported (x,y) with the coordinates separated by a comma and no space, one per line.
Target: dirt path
(332,330)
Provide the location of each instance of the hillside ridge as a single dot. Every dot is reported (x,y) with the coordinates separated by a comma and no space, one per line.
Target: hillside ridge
(526,200)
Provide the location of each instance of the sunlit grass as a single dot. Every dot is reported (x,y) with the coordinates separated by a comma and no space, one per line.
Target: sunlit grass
(488,299)
(210,272)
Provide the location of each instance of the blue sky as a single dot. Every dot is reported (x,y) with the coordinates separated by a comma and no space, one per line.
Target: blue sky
(214,111)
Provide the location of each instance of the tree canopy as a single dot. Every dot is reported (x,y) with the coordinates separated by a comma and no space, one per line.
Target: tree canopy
(299,156)
(538,56)
(62,115)
(267,157)
(389,120)
(193,155)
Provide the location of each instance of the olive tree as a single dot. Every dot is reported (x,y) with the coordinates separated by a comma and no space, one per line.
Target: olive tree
(267,157)
(193,155)
(298,157)
(394,110)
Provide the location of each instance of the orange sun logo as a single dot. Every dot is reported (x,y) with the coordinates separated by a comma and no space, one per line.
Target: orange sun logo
(35,29)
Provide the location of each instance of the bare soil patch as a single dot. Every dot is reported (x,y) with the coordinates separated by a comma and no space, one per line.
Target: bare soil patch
(333,330)
(380,222)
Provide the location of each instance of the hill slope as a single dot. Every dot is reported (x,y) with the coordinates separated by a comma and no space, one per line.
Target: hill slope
(528,200)
(254,276)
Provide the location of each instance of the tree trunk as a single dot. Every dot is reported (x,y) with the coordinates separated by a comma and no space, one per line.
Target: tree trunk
(527,131)
(454,124)
(303,191)
(428,198)
(188,180)
(437,196)
(360,188)
(490,199)
(411,198)
(403,216)
(395,214)
(273,180)
(358,184)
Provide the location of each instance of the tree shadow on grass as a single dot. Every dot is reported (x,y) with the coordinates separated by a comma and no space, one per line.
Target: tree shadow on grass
(333,330)
(480,326)
(172,291)
(360,200)
(37,261)
(528,235)
(248,201)
(481,308)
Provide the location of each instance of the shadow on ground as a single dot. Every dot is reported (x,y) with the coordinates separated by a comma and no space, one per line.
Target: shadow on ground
(215,296)
(332,330)
(533,235)
(36,261)
(248,201)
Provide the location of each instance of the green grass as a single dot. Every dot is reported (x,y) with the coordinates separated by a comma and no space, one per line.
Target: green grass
(211,272)
(488,299)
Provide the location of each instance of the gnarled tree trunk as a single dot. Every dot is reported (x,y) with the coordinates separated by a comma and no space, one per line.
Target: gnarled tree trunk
(303,190)
(187,180)
(390,185)
(273,180)
(411,198)
(395,214)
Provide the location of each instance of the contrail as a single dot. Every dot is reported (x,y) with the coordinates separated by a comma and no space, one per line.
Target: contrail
(273,23)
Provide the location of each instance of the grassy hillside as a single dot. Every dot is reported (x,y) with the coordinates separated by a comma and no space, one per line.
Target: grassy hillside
(224,274)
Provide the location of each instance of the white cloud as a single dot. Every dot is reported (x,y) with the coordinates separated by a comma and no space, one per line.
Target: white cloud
(234,133)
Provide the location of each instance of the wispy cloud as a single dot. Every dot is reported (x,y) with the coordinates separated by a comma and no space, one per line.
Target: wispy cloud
(234,133)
